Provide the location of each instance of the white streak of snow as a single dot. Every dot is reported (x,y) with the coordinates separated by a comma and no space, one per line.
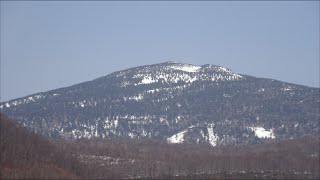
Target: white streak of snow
(186,68)
(211,136)
(116,123)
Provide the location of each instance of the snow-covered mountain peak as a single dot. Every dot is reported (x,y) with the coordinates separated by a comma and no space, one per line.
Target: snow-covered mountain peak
(207,68)
(185,67)
(173,73)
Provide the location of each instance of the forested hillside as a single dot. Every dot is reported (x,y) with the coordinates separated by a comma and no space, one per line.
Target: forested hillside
(28,155)
(180,103)
(129,158)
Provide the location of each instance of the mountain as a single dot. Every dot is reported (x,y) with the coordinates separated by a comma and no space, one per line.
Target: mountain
(174,102)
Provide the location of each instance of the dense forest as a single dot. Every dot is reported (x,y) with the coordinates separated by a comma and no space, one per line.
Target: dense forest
(27,155)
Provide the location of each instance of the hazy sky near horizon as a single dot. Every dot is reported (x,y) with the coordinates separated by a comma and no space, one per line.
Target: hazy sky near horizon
(48,45)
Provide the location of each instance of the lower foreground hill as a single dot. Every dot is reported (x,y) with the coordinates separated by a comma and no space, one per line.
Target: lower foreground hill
(129,158)
(25,155)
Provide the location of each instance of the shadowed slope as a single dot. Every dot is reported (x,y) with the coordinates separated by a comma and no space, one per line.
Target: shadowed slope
(28,155)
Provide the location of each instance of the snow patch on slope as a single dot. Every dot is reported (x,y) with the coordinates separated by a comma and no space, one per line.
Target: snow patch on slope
(177,138)
(260,132)
(148,80)
(186,67)
(211,137)
(223,69)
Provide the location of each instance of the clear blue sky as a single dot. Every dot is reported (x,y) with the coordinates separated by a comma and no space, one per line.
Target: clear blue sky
(47,45)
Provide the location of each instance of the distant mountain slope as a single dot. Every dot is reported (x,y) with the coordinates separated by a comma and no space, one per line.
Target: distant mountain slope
(176,102)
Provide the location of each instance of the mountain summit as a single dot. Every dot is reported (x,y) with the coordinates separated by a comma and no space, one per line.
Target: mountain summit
(179,103)
(173,73)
